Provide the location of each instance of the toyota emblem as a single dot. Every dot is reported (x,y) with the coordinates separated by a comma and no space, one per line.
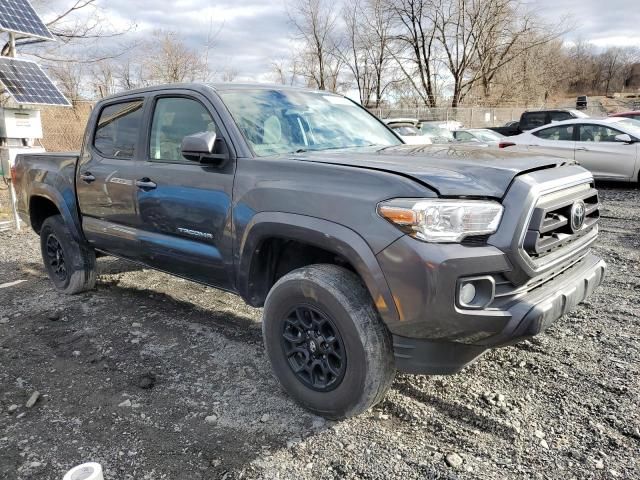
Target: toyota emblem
(578,213)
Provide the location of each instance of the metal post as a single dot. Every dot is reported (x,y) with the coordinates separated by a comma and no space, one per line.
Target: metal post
(14,205)
(12,45)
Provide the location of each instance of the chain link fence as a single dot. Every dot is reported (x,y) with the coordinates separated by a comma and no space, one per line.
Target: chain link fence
(470,117)
(63,128)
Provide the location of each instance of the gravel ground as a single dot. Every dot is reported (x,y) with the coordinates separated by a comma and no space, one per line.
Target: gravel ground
(155,377)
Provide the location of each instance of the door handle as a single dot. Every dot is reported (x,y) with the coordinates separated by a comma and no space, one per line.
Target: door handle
(87,177)
(146,184)
(582,149)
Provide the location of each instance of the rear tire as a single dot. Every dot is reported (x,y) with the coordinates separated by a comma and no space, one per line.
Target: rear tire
(70,265)
(327,345)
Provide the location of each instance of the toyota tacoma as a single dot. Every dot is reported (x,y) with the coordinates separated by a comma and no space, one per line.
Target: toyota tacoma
(367,255)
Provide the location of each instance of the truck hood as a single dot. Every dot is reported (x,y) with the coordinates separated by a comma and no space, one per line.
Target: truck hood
(450,170)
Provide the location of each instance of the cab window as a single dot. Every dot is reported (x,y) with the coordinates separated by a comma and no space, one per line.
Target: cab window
(118,128)
(173,119)
(532,120)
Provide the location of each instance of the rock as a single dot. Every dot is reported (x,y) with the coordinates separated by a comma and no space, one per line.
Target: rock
(32,399)
(76,353)
(318,422)
(544,444)
(351,447)
(126,403)
(599,464)
(4,320)
(539,433)
(53,316)
(147,381)
(500,398)
(35,464)
(453,460)
(264,418)
(216,463)
(136,325)
(20,415)
(213,418)
(12,408)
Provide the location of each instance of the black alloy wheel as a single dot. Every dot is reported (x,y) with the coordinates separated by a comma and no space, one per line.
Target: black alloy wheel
(314,348)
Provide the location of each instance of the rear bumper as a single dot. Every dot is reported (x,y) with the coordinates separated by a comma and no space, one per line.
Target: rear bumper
(526,316)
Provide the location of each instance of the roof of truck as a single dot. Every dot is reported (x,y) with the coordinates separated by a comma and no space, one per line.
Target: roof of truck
(201,86)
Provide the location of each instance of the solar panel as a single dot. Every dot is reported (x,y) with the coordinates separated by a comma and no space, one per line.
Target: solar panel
(18,16)
(26,82)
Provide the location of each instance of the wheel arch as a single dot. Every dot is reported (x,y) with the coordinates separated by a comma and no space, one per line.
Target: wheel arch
(45,201)
(316,237)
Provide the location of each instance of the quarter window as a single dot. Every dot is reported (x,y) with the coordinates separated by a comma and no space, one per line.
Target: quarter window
(556,133)
(597,133)
(118,129)
(174,119)
(533,120)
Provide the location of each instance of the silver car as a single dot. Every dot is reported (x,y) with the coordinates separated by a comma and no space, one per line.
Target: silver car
(609,147)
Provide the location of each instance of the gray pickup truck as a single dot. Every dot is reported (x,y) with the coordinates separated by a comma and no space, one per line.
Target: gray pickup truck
(368,255)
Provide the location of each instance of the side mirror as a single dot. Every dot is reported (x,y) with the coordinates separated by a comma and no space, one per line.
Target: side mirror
(624,137)
(200,147)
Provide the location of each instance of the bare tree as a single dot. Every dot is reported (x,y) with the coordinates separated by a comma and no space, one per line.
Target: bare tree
(316,26)
(169,60)
(367,26)
(416,38)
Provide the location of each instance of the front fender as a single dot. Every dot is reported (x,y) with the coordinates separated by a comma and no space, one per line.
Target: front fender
(319,233)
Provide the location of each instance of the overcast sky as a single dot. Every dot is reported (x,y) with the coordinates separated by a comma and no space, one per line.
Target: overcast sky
(254,32)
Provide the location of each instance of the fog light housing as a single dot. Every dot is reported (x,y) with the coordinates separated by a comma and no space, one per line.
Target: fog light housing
(476,292)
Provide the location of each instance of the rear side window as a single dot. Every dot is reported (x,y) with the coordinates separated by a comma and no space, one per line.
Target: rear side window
(556,133)
(533,120)
(118,129)
(560,116)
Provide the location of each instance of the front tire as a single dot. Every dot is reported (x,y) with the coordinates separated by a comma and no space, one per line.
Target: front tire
(327,345)
(70,265)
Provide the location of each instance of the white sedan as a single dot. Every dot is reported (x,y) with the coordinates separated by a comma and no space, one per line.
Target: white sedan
(609,147)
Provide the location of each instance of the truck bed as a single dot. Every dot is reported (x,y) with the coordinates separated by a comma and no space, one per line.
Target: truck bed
(49,176)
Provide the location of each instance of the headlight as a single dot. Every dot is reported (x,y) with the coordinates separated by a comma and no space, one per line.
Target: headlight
(440,220)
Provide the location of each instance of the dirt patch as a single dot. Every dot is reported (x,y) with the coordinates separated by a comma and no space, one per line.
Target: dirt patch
(159,378)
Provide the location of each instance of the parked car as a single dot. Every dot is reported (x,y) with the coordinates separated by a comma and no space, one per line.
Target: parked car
(436,132)
(633,114)
(537,118)
(446,125)
(582,102)
(367,255)
(409,133)
(607,147)
(481,135)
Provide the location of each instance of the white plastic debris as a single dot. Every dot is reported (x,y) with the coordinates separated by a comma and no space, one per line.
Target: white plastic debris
(86,471)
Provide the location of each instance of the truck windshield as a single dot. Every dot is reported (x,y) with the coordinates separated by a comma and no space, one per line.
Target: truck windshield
(277,121)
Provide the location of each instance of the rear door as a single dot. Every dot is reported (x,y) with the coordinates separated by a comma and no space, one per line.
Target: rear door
(554,140)
(106,175)
(597,150)
(184,221)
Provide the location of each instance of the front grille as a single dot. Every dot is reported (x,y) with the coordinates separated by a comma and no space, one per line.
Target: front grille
(550,229)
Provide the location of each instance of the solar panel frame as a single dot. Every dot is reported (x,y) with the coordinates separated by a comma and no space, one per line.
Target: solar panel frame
(18,16)
(28,83)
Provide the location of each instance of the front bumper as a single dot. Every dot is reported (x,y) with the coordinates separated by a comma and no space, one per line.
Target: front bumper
(439,338)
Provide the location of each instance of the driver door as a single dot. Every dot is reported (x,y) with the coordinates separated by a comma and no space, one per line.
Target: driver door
(184,206)
(597,150)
